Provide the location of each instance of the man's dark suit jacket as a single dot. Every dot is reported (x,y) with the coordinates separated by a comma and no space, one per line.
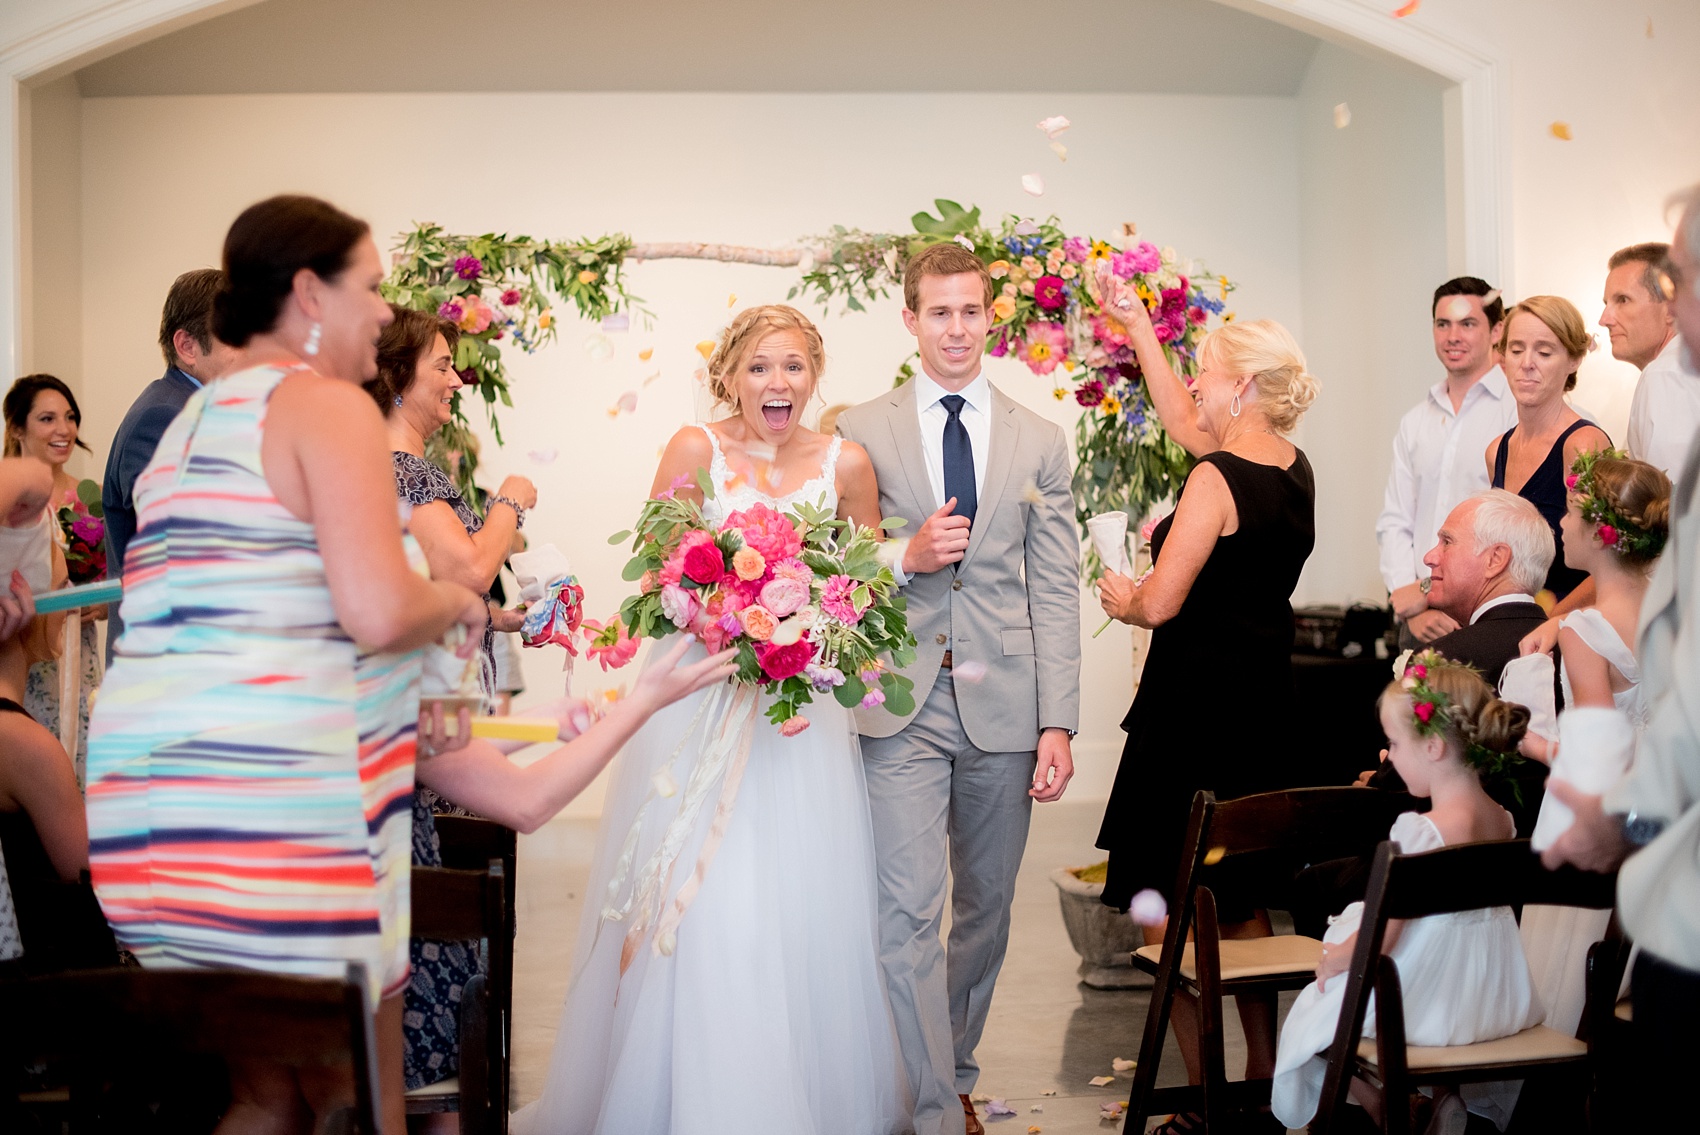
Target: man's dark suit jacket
(132,448)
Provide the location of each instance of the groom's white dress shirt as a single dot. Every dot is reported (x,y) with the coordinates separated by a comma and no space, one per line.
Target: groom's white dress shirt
(976,417)
(1664,418)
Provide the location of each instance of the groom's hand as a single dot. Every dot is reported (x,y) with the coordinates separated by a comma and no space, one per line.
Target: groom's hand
(942,540)
(1055,767)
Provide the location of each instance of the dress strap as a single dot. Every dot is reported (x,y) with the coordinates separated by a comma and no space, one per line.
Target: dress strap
(1502,457)
(718,471)
(829,467)
(1593,628)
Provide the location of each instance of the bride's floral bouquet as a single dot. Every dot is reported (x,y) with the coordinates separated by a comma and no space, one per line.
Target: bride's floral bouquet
(802,595)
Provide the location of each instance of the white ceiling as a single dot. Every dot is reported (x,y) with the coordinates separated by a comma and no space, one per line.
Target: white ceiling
(1144,46)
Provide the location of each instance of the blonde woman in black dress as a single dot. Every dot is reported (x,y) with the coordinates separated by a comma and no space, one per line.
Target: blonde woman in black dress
(1219,599)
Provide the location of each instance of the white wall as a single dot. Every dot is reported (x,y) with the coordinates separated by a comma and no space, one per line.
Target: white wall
(743,169)
(1374,238)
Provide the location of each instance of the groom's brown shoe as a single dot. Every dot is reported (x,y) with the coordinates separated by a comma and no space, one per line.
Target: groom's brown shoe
(974,1125)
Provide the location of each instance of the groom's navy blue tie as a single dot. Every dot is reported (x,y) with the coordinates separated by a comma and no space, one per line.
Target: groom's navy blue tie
(958,459)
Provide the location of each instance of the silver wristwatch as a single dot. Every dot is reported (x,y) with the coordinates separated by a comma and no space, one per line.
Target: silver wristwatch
(1639,830)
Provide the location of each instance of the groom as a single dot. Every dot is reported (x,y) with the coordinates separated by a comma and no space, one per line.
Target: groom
(991,574)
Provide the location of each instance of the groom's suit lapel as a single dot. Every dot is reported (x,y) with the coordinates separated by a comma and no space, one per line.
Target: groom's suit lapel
(905,423)
(1006,435)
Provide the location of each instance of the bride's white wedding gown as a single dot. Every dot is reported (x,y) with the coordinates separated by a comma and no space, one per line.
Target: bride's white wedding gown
(770,1014)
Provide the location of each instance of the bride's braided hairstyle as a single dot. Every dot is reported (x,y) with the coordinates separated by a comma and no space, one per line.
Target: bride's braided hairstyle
(745,333)
(1450,700)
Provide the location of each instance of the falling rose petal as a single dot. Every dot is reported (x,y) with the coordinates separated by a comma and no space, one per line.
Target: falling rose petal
(651,377)
(664,783)
(1214,856)
(619,321)
(1560,130)
(1110,1111)
(1034,1130)
(706,349)
(1148,908)
(964,242)
(970,672)
(1491,298)
(1122,1065)
(1342,116)
(700,374)
(1404,10)
(1049,1092)
(806,261)
(1459,307)
(646,354)
(1033,184)
(1026,228)
(544,456)
(731,299)
(1060,150)
(625,404)
(1054,125)
(1037,1109)
(599,347)
(1129,232)
(996,1107)
(1101,1081)
(1031,494)
(890,259)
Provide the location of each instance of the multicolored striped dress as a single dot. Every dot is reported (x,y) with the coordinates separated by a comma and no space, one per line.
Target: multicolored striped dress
(250,770)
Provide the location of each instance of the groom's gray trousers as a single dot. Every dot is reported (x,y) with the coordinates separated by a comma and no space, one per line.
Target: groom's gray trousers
(937,798)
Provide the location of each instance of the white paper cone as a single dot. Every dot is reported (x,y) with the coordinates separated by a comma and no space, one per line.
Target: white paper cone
(1595,748)
(1527,681)
(1109,539)
(536,568)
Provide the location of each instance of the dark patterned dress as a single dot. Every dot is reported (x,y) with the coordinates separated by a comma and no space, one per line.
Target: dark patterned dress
(430,1015)
(418,482)
(430,1021)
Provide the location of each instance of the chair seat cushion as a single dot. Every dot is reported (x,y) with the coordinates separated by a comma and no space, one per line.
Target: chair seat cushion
(448,1087)
(1527,1047)
(1285,955)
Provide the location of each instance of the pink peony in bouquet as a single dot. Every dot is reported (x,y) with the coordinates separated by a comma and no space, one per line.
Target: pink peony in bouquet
(802,596)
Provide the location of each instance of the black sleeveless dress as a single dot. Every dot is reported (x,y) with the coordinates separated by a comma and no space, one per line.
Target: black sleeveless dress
(1545,490)
(1215,704)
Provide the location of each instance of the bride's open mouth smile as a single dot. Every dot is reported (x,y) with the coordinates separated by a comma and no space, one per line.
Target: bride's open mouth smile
(776,412)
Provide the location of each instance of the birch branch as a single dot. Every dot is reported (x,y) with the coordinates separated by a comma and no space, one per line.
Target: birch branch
(729,253)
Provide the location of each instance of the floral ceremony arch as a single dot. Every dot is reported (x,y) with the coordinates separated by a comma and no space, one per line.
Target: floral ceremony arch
(500,289)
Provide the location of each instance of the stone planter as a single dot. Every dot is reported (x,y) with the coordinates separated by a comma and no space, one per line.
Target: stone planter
(1105,939)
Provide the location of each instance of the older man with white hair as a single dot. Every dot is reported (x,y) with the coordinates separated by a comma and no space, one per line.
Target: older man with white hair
(1649,824)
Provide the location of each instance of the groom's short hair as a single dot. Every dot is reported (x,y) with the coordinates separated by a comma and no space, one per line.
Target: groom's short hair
(944,259)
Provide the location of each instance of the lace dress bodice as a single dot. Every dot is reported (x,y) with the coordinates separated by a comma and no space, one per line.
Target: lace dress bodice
(732,495)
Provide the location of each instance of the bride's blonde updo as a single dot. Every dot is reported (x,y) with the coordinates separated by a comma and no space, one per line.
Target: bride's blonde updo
(746,331)
(1267,351)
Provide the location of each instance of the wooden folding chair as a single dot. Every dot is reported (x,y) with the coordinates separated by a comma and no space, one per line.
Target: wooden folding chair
(450,905)
(1469,877)
(1286,831)
(136,1034)
(468,843)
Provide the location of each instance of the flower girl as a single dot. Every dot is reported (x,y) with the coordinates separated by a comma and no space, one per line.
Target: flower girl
(1463,974)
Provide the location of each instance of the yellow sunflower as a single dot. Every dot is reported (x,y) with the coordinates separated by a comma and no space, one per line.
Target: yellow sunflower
(1100,251)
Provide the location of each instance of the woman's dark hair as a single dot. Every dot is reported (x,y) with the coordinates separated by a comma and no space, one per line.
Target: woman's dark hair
(264,249)
(405,341)
(20,400)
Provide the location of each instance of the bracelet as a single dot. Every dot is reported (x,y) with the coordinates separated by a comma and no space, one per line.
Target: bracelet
(513,504)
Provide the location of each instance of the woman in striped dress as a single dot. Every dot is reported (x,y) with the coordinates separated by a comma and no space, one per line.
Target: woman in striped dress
(251,755)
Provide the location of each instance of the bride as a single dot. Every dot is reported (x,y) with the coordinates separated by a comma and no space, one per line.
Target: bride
(769,1012)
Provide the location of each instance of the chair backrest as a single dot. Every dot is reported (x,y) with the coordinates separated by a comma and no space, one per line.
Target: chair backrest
(1315,823)
(1474,876)
(116,1018)
(468,843)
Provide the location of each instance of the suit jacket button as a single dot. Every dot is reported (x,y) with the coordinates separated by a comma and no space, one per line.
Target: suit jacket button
(956,585)
(943,639)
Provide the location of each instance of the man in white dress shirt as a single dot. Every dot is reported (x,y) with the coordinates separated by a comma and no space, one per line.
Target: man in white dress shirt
(1665,415)
(1437,453)
(991,576)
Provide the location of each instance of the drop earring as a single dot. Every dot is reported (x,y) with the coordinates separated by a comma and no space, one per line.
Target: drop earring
(311,346)
(1234,407)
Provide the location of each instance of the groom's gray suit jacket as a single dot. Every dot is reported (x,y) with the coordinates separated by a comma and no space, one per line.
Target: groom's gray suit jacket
(1013,602)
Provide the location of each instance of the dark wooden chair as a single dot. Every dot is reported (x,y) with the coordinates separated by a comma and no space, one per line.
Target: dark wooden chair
(1469,877)
(451,905)
(1282,832)
(468,843)
(127,1037)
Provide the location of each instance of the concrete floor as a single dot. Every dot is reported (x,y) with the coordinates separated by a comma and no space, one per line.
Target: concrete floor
(1046,1032)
